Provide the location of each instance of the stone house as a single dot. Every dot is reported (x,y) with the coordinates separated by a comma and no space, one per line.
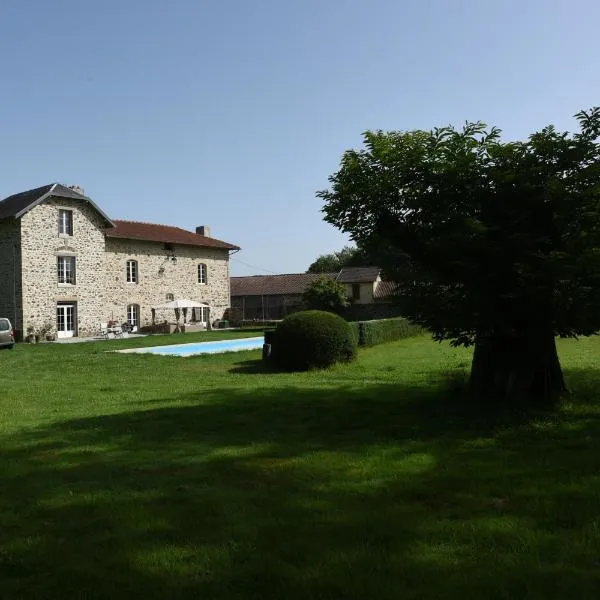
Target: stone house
(66,267)
(272,297)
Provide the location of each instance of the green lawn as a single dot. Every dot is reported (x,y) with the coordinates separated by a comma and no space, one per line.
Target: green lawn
(137,476)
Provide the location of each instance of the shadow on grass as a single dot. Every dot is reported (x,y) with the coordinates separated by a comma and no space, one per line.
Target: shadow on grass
(254,367)
(378,491)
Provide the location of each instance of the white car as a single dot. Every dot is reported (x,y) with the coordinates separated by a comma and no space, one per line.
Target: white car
(7,335)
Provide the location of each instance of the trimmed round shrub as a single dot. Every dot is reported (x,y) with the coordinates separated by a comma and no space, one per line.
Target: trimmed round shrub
(312,339)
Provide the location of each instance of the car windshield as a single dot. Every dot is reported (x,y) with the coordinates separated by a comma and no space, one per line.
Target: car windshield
(4,325)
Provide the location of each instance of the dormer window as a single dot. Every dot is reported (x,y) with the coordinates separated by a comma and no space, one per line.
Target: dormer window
(65,222)
(132,271)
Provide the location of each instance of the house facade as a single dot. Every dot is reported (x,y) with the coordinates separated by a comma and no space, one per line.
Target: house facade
(66,267)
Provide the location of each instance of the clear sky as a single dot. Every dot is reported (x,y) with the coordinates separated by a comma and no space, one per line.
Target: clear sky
(233,113)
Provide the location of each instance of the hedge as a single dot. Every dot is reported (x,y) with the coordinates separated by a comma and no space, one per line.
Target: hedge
(371,333)
(364,333)
(355,328)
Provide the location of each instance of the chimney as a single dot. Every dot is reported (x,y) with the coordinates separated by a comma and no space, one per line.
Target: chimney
(203,230)
(78,189)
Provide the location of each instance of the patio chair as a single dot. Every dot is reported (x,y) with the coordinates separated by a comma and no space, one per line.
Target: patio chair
(127,327)
(105,331)
(117,331)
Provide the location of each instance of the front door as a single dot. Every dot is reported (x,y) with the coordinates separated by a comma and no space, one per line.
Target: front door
(65,320)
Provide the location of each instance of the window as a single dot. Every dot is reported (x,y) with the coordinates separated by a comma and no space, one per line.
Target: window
(355,292)
(170,297)
(200,314)
(133,314)
(66,269)
(132,271)
(65,222)
(202,273)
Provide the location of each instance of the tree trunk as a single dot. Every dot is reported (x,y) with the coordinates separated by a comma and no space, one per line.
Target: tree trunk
(519,367)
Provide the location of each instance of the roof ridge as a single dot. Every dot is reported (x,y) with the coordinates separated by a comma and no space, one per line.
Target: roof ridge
(154,224)
(282,274)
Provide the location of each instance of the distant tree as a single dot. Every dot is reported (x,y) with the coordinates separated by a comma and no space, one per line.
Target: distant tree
(326,294)
(348,256)
(491,243)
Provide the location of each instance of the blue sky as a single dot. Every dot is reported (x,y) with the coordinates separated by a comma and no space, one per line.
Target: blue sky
(234,113)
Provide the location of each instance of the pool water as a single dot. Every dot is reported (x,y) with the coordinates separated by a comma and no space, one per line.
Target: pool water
(236,345)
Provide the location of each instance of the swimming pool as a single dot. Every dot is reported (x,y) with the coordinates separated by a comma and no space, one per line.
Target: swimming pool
(236,345)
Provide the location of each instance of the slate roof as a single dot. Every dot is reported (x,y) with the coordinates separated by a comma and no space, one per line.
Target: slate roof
(358,274)
(135,230)
(274,285)
(19,204)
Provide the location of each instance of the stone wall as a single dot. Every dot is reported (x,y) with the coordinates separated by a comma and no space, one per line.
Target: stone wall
(158,275)
(10,273)
(41,244)
(368,312)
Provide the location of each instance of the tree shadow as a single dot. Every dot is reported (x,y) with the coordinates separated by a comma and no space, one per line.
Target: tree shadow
(357,491)
(254,367)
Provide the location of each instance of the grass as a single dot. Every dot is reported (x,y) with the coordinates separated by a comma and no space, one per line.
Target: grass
(207,477)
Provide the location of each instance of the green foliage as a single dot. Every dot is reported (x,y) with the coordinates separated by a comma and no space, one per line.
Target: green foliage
(312,339)
(355,329)
(371,333)
(482,236)
(326,294)
(346,257)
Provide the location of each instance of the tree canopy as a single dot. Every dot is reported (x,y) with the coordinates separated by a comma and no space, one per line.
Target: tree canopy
(348,256)
(489,241)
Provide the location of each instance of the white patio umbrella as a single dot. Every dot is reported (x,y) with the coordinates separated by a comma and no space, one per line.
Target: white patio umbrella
(181,303)
(178,304)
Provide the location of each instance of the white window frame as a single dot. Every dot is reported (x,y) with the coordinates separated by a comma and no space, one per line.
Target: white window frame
(66,270)
(202,274)
(200,314)
(66,314)
(133,315)
(131,271)
(65,222)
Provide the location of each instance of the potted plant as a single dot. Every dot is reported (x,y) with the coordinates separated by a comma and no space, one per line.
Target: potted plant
(46,332)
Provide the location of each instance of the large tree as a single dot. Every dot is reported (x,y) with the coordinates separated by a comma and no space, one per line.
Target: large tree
(348,256)
(492,243)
